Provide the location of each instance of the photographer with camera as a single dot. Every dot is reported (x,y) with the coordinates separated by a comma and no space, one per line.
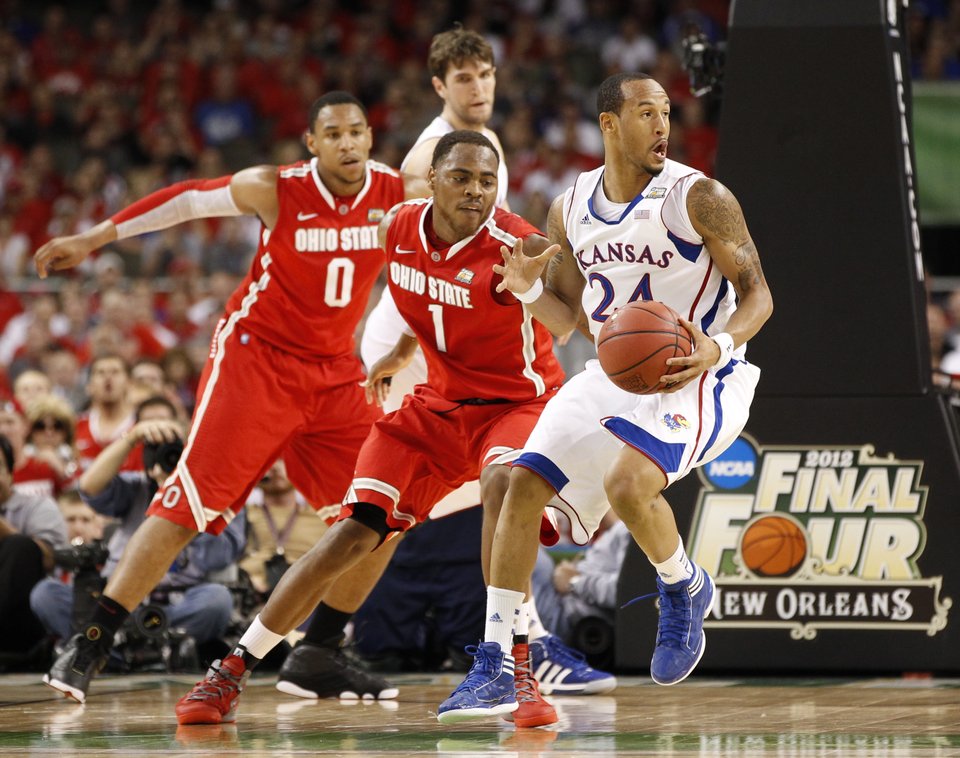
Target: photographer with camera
(185,596)
(31,528)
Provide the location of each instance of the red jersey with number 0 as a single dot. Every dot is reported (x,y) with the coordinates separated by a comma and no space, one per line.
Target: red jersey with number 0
(478,343)
(309,284)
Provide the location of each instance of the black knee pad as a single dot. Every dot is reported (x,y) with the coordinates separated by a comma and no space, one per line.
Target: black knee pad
(371,517)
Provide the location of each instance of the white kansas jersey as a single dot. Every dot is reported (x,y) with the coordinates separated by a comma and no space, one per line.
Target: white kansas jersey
(646,250)
(440,126)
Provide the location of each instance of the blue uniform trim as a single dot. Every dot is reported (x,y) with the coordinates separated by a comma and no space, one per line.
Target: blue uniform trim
(540,464)
(711,315)
(717,407)
(623,215)
(667,455)
(688,250)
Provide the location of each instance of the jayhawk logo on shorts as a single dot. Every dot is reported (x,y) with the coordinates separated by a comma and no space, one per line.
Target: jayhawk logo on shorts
(674,422)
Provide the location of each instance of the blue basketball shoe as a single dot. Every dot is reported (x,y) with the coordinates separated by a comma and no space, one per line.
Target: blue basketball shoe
(680,639)
(561,670)
(487,690)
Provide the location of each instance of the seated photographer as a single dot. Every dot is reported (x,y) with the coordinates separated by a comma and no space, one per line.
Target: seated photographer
(201,608)
(282,527)
(31,528)
(577,599)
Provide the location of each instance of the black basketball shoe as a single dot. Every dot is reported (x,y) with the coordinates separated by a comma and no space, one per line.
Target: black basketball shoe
(315,671)
(80,661)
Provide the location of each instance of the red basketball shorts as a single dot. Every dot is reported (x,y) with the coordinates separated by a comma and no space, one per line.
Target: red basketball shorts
(256,403)
(429,447)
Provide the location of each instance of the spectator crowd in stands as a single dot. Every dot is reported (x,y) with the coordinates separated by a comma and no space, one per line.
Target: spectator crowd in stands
(103,103)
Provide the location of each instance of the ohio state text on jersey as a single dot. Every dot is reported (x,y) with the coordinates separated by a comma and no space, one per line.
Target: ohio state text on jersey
(316,267)
(478,343)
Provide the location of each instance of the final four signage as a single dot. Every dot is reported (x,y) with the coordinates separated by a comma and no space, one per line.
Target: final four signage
(805,538)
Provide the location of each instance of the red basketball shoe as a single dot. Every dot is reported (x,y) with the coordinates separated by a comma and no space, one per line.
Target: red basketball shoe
(214,700)
(533,709)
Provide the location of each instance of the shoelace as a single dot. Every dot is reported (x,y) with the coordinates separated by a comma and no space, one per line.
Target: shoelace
(479,671)
(675,609)
(218,685)
(526,685)
(563,655)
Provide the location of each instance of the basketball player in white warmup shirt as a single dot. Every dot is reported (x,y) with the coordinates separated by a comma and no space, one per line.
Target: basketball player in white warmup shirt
(639,227)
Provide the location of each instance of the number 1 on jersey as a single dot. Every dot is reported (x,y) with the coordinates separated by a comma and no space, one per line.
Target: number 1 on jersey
(437,310)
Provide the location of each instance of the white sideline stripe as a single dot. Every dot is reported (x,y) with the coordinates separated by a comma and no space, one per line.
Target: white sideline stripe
(193,497)
(527,336)
(248,301)
(365,483)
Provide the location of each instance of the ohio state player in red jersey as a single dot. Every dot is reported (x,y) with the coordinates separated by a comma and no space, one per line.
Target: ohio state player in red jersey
(490,372)
(282,374)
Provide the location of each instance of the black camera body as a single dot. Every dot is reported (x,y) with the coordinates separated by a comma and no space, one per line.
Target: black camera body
(166,454)
(703,62)
(82,556)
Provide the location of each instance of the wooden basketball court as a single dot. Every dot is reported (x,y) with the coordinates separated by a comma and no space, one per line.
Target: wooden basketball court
(133,715)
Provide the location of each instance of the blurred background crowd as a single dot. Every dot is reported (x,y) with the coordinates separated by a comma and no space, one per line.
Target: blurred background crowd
(104,102)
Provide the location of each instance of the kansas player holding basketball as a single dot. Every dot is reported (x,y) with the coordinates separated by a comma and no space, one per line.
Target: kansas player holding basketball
(641,226)
(282,374)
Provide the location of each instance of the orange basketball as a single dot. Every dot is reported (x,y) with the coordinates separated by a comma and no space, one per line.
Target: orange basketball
(773,546)
(635,342)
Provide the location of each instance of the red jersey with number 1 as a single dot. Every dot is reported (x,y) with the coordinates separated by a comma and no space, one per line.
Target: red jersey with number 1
(309,284)
(478,343)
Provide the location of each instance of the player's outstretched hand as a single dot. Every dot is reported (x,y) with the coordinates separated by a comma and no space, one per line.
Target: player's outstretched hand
(705,353)
(62,252)
(520,271)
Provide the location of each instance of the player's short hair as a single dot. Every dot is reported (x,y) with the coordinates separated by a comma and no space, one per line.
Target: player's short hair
(610,94)
(155,400)
(447,142)
(334,97)
(453,47)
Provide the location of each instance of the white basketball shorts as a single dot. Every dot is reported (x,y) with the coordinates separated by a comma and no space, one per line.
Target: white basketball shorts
(589,420)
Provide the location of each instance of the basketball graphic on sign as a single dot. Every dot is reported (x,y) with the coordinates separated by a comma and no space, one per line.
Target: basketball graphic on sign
(774,546)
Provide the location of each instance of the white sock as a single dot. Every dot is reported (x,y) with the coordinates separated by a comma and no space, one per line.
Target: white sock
(537,629)
(676,568)
(258,640)
(503,612)
(523,621)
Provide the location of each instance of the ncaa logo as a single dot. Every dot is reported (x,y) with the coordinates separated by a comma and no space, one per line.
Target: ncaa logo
(734,467)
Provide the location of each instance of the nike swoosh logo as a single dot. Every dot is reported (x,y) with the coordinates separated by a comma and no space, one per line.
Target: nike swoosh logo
(306,216)
(402,251)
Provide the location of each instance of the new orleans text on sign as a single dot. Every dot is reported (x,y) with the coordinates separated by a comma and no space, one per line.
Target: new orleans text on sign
(808,538)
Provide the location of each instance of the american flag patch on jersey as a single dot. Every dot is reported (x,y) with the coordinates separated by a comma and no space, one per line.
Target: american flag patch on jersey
(641,214)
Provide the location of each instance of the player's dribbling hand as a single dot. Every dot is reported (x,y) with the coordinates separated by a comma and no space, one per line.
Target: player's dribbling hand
(520,271)
(705,353)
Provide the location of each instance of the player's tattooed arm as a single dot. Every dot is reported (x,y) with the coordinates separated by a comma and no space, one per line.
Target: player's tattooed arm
(717,217)
(563,277)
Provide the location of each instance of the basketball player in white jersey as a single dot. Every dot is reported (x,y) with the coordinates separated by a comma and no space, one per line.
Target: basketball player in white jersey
(464,77)
(639,227)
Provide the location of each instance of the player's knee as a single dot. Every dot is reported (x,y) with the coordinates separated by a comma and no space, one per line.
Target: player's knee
(371,517)
(629,484)
(528,490)
(494,481)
